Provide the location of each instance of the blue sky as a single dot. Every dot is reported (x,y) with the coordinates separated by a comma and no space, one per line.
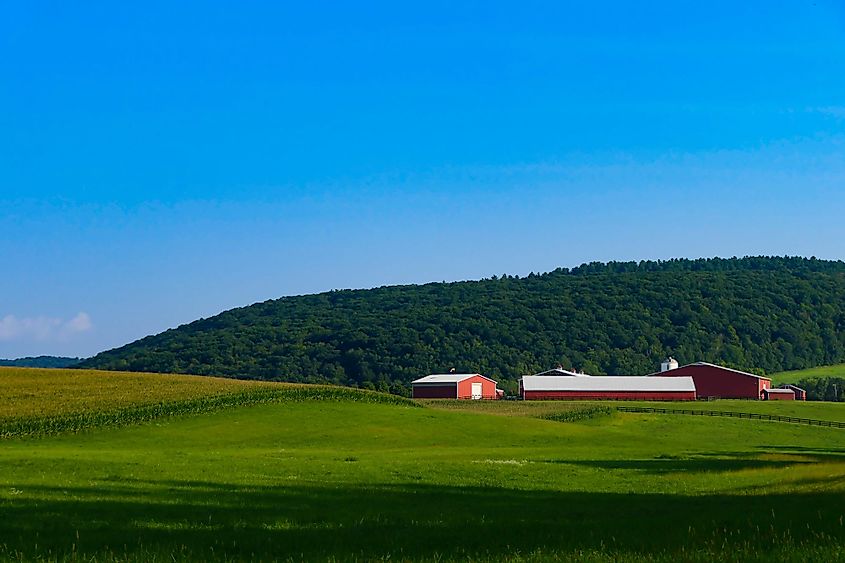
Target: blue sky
(166,161)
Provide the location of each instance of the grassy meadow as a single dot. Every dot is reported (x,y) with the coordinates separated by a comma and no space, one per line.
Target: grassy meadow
(543,409)
(811,373)
(348,478)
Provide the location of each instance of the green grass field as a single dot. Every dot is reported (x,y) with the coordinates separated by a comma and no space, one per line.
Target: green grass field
(339,477)
(812,373)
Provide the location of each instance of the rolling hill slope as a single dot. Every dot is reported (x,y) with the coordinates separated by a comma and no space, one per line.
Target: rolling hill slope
(809,374)
(763,313)
(344,480)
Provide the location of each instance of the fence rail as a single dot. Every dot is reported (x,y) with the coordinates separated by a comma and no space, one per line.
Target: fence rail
(729,414)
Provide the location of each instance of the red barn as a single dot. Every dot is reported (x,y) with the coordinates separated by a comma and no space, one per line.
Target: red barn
(606,387)
(454,386)
(778,395)
(712,381)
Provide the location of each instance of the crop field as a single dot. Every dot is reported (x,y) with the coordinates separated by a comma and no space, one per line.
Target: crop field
(811,373)
(49,401)
(51,392)
(322,476)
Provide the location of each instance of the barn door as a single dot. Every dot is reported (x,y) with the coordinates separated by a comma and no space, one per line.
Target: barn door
(476,390)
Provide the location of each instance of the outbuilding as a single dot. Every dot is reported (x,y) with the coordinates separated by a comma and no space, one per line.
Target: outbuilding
(606,387)
(454,386)
(778,395)
(717,382)
(800,394)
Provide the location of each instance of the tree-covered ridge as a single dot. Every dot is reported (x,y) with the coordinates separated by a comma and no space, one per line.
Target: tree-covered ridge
(758,313)
(42,362)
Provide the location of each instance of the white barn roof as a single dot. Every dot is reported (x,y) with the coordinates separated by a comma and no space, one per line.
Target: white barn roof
(606,383)
(560,371)
(446,378)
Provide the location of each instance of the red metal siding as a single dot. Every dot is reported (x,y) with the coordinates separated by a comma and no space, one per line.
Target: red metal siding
(779,396)
(445,391)
(611,395)
(488,388)
(713,381)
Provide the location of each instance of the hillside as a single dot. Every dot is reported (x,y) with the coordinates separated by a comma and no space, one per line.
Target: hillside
(763,313)
(836,371)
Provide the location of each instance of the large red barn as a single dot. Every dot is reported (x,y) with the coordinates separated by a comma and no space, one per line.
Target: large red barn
(454,386)
(606,387)
(712,381)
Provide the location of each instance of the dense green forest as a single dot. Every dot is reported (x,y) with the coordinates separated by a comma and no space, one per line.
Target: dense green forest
(764,314)
(42,362)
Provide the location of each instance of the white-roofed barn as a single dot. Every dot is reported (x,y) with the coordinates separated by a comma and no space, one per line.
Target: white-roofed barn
(607,387)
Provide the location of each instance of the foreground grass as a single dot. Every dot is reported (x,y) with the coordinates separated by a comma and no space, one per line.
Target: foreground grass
(340,480)
(812,373)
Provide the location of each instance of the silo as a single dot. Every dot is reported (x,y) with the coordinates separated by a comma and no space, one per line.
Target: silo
(668,364)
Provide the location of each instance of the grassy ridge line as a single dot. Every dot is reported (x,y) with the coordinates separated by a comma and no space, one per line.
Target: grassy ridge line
(76,422)
(837,370)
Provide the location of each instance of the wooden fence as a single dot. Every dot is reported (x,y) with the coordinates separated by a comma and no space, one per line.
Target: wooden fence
(748,415)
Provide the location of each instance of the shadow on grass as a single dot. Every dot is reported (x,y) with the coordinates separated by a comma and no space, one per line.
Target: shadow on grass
(205,520)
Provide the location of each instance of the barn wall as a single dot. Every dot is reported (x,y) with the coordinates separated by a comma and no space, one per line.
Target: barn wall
(611,395)
(445,391)
(780,396)
(712,381)
(488,388)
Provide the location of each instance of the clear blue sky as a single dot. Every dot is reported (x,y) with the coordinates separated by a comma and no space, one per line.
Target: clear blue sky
(165,161)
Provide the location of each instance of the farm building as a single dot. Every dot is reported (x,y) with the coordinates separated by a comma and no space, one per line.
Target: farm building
(712,381)
(561,371)
(778,395)
(580,386)
(800,394)
(455,386)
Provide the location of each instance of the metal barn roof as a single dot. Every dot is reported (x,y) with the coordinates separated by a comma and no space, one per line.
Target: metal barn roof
(448,378)
(559,371)
(783,391)
(606,383)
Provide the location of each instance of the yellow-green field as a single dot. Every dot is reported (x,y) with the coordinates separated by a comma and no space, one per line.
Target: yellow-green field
(43,401)
(49,392)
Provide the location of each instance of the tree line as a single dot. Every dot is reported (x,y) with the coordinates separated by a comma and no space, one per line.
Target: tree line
(761,314)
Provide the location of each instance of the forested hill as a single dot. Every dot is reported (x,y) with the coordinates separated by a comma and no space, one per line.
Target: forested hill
(42,362)
(755,313)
